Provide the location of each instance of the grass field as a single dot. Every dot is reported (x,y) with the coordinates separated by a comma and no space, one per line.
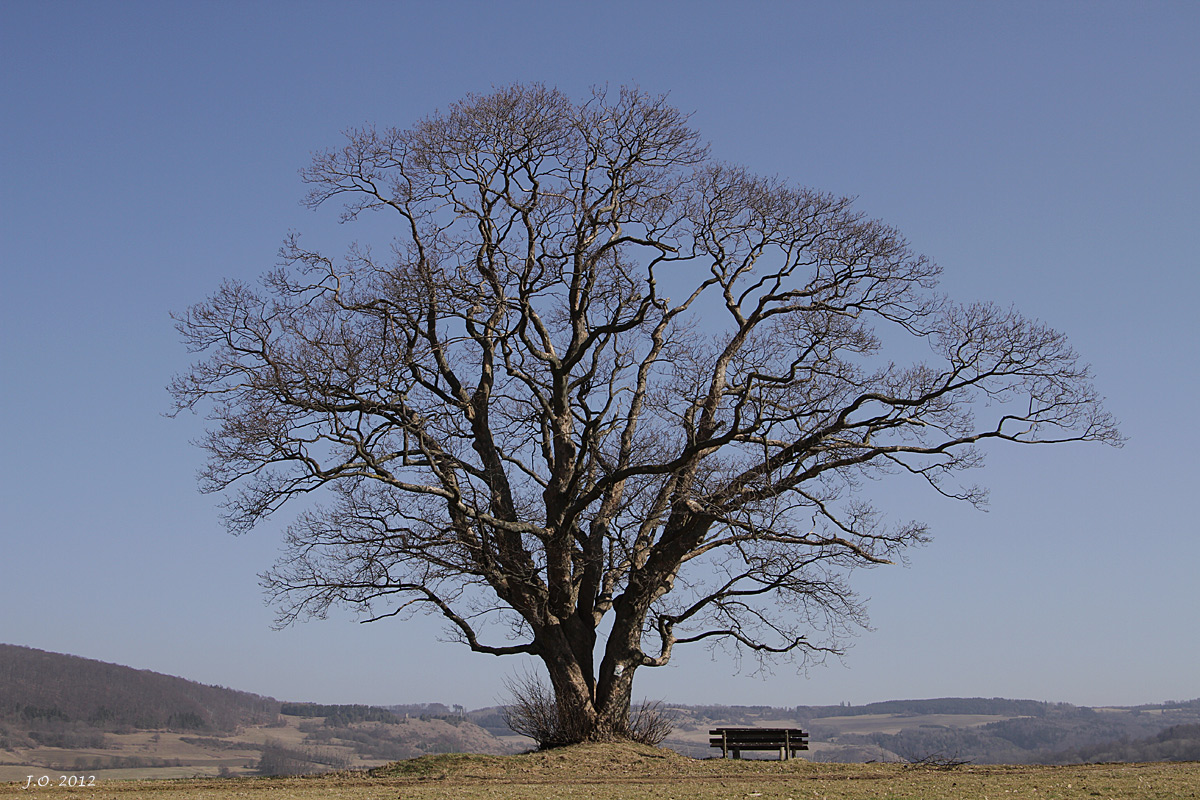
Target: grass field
(629,772)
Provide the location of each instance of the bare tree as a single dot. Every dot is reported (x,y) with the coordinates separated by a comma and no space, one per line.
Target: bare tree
(595,377)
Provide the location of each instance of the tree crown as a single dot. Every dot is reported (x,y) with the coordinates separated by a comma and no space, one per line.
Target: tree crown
(595,372)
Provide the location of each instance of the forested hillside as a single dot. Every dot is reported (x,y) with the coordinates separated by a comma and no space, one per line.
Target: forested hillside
(1177,743)
(66,697)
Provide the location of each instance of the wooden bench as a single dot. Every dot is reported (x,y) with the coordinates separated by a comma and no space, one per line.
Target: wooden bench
(785,740)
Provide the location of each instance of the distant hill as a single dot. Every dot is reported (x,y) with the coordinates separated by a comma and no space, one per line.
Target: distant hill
(941,705)
(1177,743)
(997,706)
(51,691)
(62,712)
(1057,734)
(979,730)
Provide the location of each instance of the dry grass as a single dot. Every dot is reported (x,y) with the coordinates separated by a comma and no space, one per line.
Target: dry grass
(633,772)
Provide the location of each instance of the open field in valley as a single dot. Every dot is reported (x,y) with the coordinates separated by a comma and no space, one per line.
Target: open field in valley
(630,772)
(894,723)
(164,754)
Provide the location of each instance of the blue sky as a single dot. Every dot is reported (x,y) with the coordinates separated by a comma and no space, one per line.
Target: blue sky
(1043,153)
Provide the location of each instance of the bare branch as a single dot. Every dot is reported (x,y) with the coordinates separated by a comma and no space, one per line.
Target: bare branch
(596,378)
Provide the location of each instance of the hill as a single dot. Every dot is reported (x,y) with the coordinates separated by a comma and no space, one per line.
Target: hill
(1176,743)
(979,730)
(62,712)
(41,691)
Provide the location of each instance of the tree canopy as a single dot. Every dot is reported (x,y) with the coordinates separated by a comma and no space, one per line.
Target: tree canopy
(594,379)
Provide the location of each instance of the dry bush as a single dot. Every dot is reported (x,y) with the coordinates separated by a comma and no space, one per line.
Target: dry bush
(533,711)
(650,724)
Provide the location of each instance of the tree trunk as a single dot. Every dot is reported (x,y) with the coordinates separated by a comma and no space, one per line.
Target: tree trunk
(614,701)
(587,709)
(614,689)
(566,651)
(575,710)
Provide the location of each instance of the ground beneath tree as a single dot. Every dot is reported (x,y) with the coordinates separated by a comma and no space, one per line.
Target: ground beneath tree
(607,761)
(637,772)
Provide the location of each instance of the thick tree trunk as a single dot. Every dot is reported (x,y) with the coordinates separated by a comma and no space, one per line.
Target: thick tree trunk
(584,715)
(613,703)
(587,709)
(575,708)
(566,652)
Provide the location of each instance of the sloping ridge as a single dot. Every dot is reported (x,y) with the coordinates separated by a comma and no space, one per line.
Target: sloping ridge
(39,687)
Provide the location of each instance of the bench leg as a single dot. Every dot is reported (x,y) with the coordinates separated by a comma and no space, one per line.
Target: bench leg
(737,754)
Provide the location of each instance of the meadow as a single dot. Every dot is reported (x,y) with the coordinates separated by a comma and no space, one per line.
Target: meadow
(630,772)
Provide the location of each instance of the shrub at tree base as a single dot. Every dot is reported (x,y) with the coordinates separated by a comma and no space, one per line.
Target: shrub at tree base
(534,711)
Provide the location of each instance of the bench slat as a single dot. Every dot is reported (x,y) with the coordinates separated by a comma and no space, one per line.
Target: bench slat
(786,740)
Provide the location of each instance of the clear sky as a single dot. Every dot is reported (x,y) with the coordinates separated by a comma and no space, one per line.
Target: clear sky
(1045,154)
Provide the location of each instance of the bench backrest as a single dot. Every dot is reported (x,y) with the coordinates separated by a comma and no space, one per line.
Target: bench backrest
(758,738)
